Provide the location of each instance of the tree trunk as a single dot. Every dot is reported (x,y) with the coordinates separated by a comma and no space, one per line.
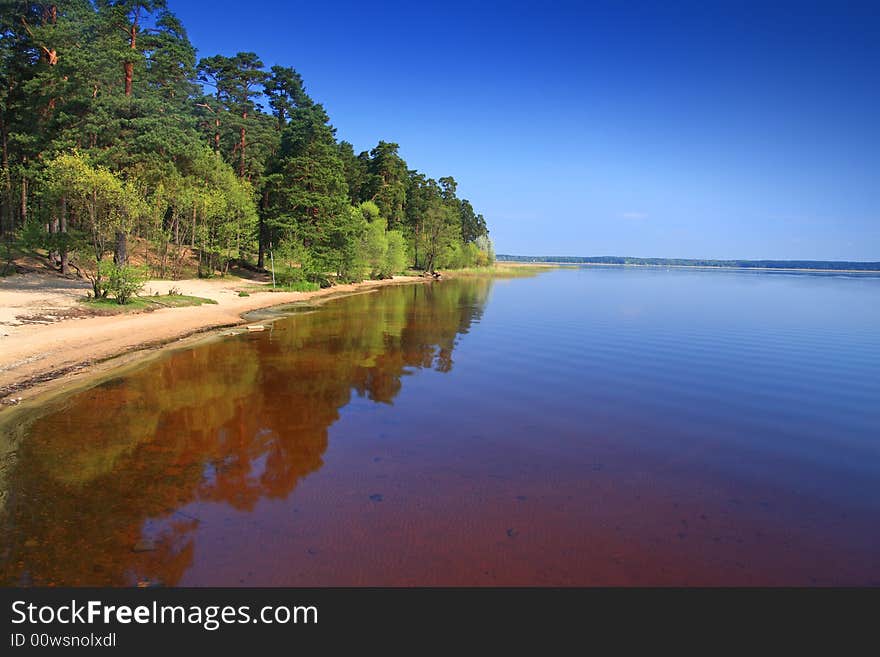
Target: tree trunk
(261,234)
(176,228)
(120,254)
(24,201)
(163,265)
(6,201)
(416,247)
(242,145)
(53,230)
(98,245)
(65,256)
(128,68)
(193,236)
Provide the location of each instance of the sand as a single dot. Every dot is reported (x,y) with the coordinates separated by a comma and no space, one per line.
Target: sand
(42,346)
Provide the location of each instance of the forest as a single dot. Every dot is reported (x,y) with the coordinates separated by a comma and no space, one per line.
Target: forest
(115,133)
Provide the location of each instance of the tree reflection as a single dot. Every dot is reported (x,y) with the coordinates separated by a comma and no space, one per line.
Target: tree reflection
(96,492)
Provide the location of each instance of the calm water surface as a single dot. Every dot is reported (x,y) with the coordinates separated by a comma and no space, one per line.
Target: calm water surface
(591,426)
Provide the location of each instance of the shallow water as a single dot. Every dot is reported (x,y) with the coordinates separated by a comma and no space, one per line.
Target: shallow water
(586,426)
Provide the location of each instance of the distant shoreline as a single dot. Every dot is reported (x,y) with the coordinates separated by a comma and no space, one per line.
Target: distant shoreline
(743,267)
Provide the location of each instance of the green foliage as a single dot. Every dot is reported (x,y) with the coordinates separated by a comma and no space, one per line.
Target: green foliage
(223,211)
(105,203)
(33,236)
(288,275)
(122,281)
(487,249)
(370,212)
(386,182)
(473,226)
(106,206)
(374,247)
(438,237)
(355,170)
(107,306)
(113,130)
(395,255)
(299,286)
(460,256)
(293,263)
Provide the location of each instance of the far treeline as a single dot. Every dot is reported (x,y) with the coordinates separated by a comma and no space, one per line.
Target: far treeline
(684,262)
(112,129)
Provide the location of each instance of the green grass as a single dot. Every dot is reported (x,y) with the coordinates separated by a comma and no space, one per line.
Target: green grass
(298,286)
(178,300)
(139,304)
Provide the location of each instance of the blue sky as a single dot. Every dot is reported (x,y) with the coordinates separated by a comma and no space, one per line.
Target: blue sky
(704,129)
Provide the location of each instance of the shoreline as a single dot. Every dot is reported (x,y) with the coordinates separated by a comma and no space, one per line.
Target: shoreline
(48,359)
(709,267)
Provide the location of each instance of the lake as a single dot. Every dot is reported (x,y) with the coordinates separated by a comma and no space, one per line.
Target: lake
(587,426)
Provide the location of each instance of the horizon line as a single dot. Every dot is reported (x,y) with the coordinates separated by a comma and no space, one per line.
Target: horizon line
(501,256)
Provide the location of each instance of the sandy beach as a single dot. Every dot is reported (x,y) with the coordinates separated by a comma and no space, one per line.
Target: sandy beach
(46,342)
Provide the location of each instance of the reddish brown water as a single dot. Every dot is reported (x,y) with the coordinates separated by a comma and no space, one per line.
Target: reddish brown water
(577,428)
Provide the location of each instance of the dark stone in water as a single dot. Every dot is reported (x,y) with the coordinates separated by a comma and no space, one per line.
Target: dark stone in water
(512,533)
(376,497)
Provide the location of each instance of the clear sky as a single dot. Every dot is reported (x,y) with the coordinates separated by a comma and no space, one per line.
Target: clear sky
(669,129)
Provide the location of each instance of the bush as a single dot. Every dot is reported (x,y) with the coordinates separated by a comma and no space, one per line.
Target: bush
(287,275)
(463,256)
(293,264)
(122,282)
(301,286)
(33,236)
(472,256)
(244,294)
(453,257)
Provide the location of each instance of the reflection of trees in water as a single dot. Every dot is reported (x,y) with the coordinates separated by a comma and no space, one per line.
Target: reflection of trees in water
(96,491)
